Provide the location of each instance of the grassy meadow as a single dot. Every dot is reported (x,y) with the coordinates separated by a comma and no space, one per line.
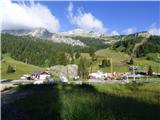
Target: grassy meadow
(90,102)
(118,60)
(21,68)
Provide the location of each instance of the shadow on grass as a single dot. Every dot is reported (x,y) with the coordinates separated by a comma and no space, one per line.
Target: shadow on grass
(81,102)
(93,105)
(42,104)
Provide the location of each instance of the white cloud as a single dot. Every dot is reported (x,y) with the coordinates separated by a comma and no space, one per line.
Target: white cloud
(114,32)
(22,15)
(129,30)
(154,30)
(85,20)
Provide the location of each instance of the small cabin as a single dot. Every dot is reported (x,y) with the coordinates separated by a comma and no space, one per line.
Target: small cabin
(42,75)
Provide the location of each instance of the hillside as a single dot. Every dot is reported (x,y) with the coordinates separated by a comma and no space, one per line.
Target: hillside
(119,60)
(95,43)
(21,68)
(39,52)
(44,53)
(58,37)
(138,46)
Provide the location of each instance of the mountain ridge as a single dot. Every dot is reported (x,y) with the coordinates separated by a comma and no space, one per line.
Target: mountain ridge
(68,37)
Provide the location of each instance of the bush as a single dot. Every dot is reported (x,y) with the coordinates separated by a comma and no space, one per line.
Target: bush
(131,61)
(11,69)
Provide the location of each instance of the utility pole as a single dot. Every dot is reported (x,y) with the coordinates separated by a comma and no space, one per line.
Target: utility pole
(91,67)
(159,61)
(111,65)
(67,72)
(26,60)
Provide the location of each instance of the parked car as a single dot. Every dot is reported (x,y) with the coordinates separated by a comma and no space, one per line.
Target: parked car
(76,78)
(50,81)
(63,79)
(38,82)
(26,77)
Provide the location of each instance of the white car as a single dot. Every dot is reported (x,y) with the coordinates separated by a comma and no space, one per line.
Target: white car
(63,79)
(24,77)
(97,75)
(76,78)
(38,82)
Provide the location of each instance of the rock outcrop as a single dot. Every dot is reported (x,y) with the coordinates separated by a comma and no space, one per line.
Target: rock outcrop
(144,34)
(70,70)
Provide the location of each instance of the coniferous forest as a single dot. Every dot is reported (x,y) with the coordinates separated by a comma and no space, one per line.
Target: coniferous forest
(43,52)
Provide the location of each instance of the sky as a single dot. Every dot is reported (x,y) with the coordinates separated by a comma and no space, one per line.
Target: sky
(102,17)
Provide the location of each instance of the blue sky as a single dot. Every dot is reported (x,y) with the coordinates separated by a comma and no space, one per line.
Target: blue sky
(107,17)
(114,15)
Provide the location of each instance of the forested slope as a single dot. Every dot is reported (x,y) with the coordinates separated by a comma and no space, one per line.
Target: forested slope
(129,43)
(38,52)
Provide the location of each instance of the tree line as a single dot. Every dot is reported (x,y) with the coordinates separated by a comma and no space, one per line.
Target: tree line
(41,52)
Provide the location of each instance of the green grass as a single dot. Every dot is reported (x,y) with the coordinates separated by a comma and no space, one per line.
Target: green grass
(153,56)
(117,59)
(143,62)
(21,68)
(91,102)
(116,56)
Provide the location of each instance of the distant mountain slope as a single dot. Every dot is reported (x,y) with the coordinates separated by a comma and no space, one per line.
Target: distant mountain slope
(138,46)
(45,34)
(21,68)
(95,43)
(77,37)
(40,52)
(144,34)
(19,32)
(59,37)
(40,32)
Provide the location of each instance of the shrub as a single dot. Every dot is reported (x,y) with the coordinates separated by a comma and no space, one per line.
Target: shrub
(131,61)
(11,69)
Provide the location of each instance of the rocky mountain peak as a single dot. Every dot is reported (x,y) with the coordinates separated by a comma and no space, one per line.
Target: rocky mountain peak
(40,32)
(144,34)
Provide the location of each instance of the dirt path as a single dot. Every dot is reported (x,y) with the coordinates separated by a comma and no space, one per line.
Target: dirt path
(134,52)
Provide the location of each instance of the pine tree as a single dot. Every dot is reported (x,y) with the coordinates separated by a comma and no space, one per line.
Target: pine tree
(82,67)
(77,55)
(150,71)
(131,61)
(105,63)
(11,69)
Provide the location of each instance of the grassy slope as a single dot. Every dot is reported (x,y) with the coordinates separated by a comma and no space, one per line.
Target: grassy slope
(143,62)
(92,102)
(21,68)
(116,58)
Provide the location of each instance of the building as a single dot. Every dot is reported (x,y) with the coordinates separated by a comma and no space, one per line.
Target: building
(42,75)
